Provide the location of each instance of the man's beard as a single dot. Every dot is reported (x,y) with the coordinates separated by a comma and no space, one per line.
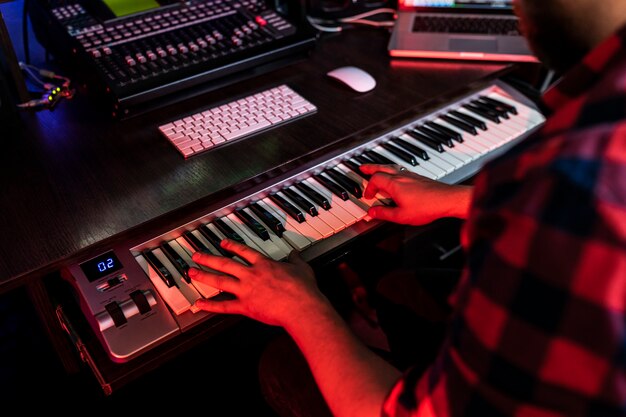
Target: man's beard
(553,38)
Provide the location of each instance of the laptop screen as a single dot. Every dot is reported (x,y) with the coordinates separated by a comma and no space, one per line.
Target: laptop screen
(461,4)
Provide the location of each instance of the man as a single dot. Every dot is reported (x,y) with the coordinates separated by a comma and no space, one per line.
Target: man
(539,327)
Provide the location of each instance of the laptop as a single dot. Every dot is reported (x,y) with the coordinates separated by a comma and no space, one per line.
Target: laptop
(485,30)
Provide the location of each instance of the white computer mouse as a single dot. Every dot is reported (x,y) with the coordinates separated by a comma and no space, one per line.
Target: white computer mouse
(354,77)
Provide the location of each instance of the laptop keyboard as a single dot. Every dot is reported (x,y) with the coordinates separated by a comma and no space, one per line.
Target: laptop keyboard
(464,24)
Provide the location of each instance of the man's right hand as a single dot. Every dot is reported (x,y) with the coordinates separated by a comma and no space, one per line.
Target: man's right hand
(419,200)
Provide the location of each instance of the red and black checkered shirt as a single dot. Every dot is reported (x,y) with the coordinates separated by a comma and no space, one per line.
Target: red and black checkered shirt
(540,327)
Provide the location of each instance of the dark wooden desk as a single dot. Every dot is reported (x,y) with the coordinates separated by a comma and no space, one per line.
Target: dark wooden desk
(75,181)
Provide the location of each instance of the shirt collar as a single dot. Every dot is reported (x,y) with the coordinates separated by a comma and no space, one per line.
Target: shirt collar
(582,76)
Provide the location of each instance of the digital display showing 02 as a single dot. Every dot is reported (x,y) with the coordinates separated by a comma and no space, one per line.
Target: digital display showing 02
(101,266)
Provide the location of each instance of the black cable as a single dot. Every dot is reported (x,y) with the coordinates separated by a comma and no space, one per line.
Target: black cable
(25,32)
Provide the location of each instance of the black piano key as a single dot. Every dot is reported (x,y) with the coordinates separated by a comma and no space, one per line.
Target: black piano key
(289,208)
(300,201)
(431,143)
(460,124)
(228,231)
(415,150)
(195,243)
(501,110)
(160,269)
(252,224)
(469,119)
(356,168)
(445,131)
(402,154)
(268,218)
(378,158)
(362,159)
(491,109)
(508,107)
(318,198)
(444,139)
(481,112)
(179,263)
(346,182)
(214,240)
(332,186)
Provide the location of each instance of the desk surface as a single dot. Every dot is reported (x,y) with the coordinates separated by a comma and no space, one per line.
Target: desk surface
(73,179)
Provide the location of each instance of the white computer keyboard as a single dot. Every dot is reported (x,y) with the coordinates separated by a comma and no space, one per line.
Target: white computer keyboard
(238,119)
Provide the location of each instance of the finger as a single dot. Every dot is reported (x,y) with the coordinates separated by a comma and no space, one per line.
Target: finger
(223,306)
(216,280)
(371,169)
(378,182)
(220,263)
(384,213)
(243,251)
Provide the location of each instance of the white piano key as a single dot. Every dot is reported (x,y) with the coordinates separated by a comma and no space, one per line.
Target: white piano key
(187,290)
(284,245)
(291,225)
(326,216)
(314,221)
(184,249)
(472,143)
(357,212)
(175,300)
(267,246)
(439,165)
(532,117)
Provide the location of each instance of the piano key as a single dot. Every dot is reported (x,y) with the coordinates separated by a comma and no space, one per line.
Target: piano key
(314,195)
(473,144)
(300,201)
(511,109)
(174,299)
(335,188)
(435,164)
(179,263)
(445,131)
(288,207)
(531,116)
(228,231)
(495,107)
(362,159)
(268,218)
(503,132)
(252,224)
(329,218)
(195,242)
(303,229)
(439,137)
(187,290)
(186,251)
(475,110)
(252,240)
(377,157)
(459,123)
(214,239)
(314,221)
(431,143)
(246,240)
(469,119)
(415,150)
(345,182)
(282,243)
(490,108)
(355,167)
(210,227)
(400,153)
(159,268)
(425,169)
(345,205)
(366,203)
